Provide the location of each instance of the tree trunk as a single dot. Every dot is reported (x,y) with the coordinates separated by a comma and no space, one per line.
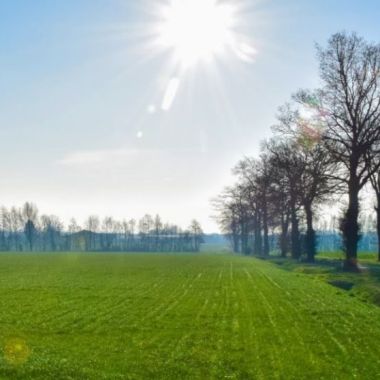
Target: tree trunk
(350,227)
(265,229)
(258,237)
(235,240)
(244,239)
(310,234)
(295,236)
(377,209)
(284,234)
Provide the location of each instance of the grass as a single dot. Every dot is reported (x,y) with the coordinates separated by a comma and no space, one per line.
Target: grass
(328,268)
(205,316)
(363,256)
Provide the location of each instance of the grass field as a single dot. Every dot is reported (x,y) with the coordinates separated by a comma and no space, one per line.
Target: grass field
(115,316)
(328,268)
(363,256)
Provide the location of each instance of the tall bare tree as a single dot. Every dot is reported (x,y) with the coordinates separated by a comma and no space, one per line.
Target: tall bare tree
(350,104)
(92,225)
(289,167)
(374,162)
(30,214)
(309,152)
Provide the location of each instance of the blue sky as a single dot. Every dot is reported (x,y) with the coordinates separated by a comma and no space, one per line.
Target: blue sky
(77,78)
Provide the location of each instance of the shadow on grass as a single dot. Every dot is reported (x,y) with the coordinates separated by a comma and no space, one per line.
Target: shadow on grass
(364,285)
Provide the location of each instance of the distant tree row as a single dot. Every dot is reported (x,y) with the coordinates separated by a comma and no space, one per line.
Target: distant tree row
(325,149)
(22,229)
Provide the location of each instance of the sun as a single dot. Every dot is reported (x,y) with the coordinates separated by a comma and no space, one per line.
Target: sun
(196,30)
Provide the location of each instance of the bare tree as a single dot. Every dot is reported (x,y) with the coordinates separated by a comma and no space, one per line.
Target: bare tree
(256,181)
(228,219)
(350,104)
(196,233)
(374,162)
(92,225)
(16,224)
(30,214)
(157,230)
(5,229)
(74,227)
(289,168)
(303,133)
(51,229)
(108,226)
(73,230)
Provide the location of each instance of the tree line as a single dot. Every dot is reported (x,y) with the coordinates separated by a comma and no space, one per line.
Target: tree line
(23,229)
(325,149)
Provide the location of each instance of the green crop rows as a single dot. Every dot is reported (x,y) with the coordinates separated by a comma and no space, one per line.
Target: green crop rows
(140,316)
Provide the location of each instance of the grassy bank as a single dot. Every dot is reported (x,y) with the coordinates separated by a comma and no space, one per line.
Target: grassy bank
(328,268)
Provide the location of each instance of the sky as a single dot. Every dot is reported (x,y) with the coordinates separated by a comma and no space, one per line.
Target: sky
(97,117)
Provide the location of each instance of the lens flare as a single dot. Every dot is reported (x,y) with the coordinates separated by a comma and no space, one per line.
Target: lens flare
(170,94)
(16,351)
(151,109)
(311,123)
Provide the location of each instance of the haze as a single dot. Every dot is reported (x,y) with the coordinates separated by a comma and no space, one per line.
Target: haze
(96,119)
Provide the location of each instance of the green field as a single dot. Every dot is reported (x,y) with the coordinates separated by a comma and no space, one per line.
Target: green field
(115,316)
(363,256)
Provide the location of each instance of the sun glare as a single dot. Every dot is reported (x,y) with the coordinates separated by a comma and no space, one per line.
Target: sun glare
(196,30)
